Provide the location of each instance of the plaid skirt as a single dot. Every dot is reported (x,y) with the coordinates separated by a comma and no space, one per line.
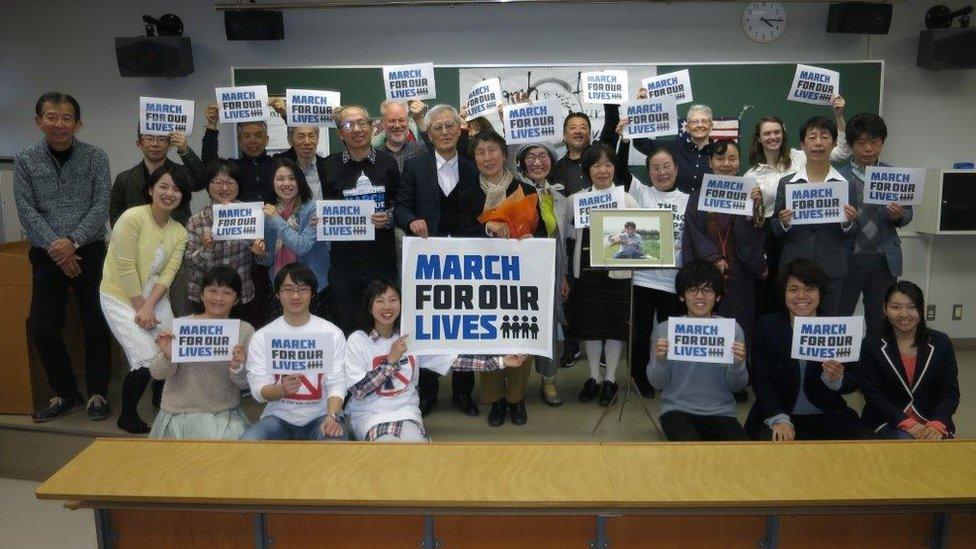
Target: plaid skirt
(599,305)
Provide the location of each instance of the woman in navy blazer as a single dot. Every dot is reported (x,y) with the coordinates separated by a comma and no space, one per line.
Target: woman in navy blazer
(782,411)
(909,373)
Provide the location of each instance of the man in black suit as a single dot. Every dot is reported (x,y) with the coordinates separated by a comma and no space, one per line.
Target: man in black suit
(428,205)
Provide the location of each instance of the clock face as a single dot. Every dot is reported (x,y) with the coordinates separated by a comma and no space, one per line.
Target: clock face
(764,21)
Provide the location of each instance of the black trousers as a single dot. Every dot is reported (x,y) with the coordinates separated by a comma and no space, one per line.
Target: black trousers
(429,384)
(651,306)
(867,274)
(681,426)
(822,427)
(49,297)
(347,288)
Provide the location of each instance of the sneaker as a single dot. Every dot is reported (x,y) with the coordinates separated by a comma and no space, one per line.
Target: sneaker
(645,389)
(549,394)
(427,406)
(569,358)
(518,413)
(98,408)
(608,392)
(57,407)
(496,416)
(466,405)
(590,389)
(134,425)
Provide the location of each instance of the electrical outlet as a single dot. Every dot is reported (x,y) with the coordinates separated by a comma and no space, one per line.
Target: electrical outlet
(957,312)
(930,313)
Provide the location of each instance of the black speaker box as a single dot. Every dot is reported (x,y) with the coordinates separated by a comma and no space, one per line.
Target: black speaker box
(859,18)
(254,25)
(946,49)
(144,56)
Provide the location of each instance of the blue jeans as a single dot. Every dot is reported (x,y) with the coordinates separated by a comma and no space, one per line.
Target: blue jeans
(275,428)
(894,433)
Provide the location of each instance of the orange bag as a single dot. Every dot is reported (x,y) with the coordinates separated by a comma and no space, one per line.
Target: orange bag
(518,211)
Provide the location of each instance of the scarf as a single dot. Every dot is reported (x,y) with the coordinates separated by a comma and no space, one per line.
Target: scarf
(283,254)
(495,192)
(547,205)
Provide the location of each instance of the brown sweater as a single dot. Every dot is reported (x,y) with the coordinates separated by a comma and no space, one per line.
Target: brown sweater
(201,387)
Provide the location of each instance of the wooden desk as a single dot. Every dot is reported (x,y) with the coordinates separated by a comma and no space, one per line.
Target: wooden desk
(189,494)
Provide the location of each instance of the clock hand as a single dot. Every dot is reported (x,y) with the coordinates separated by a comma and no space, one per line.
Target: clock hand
(769,21)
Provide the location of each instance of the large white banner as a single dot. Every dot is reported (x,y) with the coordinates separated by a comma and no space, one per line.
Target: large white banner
(478,295)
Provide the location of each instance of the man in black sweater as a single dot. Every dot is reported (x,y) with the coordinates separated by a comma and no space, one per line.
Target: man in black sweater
(360,172)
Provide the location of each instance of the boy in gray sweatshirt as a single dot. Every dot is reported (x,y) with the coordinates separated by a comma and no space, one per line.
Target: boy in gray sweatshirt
(697,400)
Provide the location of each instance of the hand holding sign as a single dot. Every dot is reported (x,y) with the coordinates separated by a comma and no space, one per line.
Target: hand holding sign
(833,370)
(397,350)
(164,342)
(290,384)
(513,361)
(238,356)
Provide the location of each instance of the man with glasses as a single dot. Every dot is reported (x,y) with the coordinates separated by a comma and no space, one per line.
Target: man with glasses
(360,172)
(127,191)
(61,186)
(253,162)
(400,135)
(428,205)
(691,149)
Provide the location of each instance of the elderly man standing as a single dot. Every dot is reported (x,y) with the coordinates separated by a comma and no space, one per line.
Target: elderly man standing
(428,205)
(61,186)
(360,172)
(397,137)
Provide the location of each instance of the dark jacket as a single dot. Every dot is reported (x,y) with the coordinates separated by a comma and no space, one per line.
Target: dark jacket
(748,241)
(127,189)
(257,181)
(419,195)
(934,394)
(473,204)
(776,379)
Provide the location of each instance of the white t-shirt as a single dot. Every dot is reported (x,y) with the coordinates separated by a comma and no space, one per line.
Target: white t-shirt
(677,202)
(397,398)
(310,402)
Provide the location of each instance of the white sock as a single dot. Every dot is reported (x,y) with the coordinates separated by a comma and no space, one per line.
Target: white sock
(593,349)
(613,349)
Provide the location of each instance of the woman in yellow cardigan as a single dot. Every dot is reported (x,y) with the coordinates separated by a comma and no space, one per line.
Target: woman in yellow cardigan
(143,256)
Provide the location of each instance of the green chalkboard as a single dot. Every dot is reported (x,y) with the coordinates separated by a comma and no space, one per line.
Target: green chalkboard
(726,87)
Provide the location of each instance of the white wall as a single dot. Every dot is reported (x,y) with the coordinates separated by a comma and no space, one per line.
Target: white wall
(68,45)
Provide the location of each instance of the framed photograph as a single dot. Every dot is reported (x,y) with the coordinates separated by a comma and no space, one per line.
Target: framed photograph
(632,239)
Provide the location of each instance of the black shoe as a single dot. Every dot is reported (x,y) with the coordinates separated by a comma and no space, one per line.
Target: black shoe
(466,405)
(590,389)
(57,407)
(569,358)
(646,390)
(134,425)
(518,413)
(741,396)
(427,406)
(496,416)
(98,408)
(608,391)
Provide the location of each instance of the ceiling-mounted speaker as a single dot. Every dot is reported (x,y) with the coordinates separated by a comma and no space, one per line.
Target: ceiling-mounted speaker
(859,18)
(940,49)
(154,56)
(254,25)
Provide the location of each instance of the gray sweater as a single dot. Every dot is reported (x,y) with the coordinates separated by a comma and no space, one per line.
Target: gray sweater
(201,387)
(699,388)
(55,201)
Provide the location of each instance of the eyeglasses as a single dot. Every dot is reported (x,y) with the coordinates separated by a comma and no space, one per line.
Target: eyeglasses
(663,168)
(444,127)
(701,290)
(541,158)
(295,290)
(700,122)
(223,183)
(53,118)
(350,124)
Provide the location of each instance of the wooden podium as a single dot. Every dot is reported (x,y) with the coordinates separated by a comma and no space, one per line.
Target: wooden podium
(185,494)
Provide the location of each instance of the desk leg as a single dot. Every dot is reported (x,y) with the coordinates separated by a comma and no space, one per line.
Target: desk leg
(770,539)
(429,541)
(103,529)
(940,532)
(600,541)
(259,526)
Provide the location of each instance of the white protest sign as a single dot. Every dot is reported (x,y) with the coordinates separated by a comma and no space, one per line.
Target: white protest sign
(204,340)
(533,122)
(243,104)
(405,82)
(158,116)
(606,199)
(238,221)
(365,190)
(885,185)
(290,353)
(478,295)
(311,107)
(650,117)
(726,194)
(701,339)
(814,85)
(822,338)
(814,203)
(345,219)
(602,87)
(673,84)
(483,98)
